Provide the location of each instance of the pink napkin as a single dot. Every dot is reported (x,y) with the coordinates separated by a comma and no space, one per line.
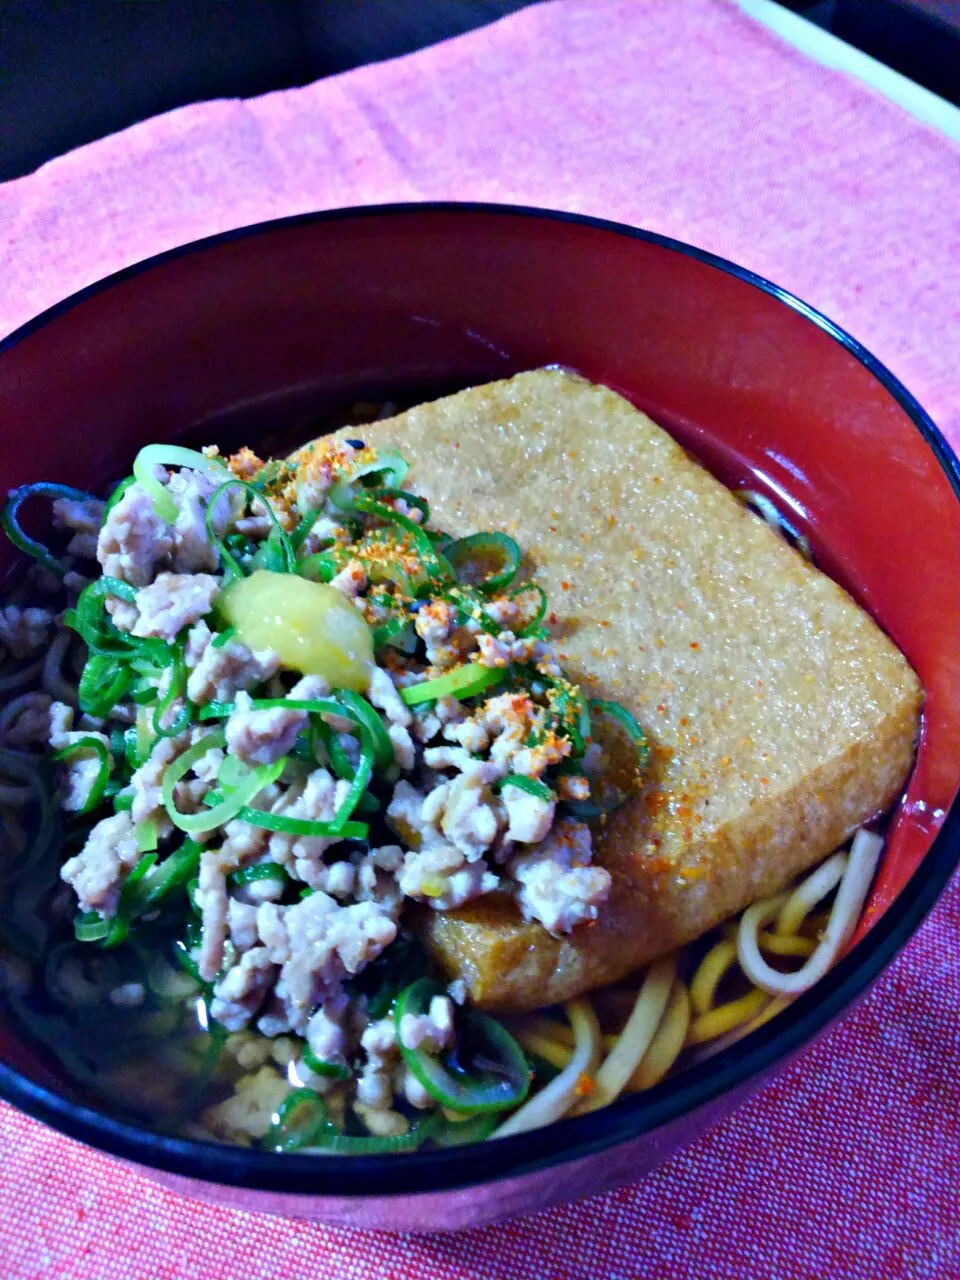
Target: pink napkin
(691,120)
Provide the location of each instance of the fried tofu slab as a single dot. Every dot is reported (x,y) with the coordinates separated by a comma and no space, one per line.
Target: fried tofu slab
(781,716)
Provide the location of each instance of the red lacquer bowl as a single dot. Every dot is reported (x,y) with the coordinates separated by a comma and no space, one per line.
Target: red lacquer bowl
(254,330)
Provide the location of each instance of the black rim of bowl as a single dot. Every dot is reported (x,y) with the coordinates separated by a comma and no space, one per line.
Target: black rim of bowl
(699,1085)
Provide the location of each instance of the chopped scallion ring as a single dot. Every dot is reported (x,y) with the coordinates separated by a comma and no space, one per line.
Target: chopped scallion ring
(619,756)
(260,871)
(99,749)
(486,1071)
(535,618)
(10,519)
(462,683)
(171,455)
(434,562)
(488,561)
(532,786)
(388,464)
(231,806)
(301,826)
(331,1070)
(276,553)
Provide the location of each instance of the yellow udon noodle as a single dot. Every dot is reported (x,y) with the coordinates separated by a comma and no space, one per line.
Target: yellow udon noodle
(557,1098)
(856,871)
(670,1016)
(667,1043)
(637,1036)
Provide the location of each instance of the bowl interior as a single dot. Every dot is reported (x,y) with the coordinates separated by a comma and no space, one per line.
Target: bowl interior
(255,332)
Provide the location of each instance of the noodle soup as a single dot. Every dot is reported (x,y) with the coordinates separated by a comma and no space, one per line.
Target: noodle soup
(275,735)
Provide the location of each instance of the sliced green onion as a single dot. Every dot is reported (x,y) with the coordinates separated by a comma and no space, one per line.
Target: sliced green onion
(215,711)
(322,567)
(464,682)
(533,622)
(359,778)
(472,555)
(495,1075)
(114,656)
(434,562)
(175,689)
(301,1123)
(275,554)
(332,1070)
(181,953)
(99,749)
(358,787)
(261,871)
(459,1133)
(568,714)
(395,968)
(127,902)
(347,1144)
(388,464)
(90,621)
(169,876)
(304,748)
(231,806)
(300,534)
(600,710)
(90,927)
(470,607)
(411,499)
(171,455)
(624,756)
(396,631)
(337,757)
(270,473)
(232,772)
(103,683)
(375,743)
(365,716)
(381,552)
(223,637)
(303,826)
(10,519)
(143,693)
(117,494)
(532,786)
(143,739)
(146,833)
(298,1121)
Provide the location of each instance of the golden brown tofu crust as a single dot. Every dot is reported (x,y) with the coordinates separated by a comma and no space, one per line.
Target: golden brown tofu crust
(781,716)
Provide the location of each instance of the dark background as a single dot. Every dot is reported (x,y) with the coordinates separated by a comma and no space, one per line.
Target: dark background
(74,70)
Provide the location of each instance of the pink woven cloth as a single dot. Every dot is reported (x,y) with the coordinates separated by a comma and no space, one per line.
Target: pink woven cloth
(687,119)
